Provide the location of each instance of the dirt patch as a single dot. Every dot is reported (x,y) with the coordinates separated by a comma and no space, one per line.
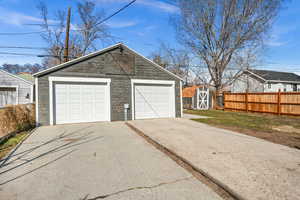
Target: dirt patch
(285,138)
(286,129)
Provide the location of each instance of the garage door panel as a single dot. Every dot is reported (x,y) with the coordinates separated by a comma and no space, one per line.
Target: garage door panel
(154,101)
(76,103)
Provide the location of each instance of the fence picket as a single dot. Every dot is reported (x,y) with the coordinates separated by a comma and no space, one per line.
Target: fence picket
(280,103)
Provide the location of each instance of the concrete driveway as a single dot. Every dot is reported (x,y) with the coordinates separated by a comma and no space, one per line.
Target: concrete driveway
(94,161)
(249,166)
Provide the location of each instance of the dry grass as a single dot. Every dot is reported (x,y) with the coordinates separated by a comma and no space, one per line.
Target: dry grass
(16,118)
(7,145)
(278,129)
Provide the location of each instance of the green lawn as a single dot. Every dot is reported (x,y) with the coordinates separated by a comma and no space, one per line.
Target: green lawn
(9,144)
(278,129)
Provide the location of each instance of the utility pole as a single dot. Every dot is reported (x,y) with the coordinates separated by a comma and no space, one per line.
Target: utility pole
(66,50)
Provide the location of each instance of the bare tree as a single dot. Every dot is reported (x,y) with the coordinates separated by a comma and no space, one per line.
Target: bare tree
(177,61)
(220,31)
(85,36)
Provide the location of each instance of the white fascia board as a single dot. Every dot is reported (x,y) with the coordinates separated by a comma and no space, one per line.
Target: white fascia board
(256,75)
(9,86)
(146,81)
(36,102)
(181,106)
(76,60)
(102,51)
(17,77)
(153,63)
(277,81)
(79,79)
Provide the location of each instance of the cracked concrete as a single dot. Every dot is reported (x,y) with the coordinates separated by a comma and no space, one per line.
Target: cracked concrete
(137,188)
(95,161)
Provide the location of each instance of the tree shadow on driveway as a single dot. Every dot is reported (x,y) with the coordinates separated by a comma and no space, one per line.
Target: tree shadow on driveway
(70,140)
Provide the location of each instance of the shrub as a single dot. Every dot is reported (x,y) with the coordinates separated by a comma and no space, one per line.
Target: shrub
(17,118)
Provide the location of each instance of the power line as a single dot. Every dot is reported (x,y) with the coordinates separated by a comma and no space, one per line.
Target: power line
(23,47)
(25,54)
(102,21)
(26,33)
(117,12)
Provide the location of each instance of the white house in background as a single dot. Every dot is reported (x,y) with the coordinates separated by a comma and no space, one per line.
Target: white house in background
(266,81)
(15,90)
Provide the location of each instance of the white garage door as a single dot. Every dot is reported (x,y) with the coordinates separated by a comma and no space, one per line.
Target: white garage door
(154,101)
(76,103)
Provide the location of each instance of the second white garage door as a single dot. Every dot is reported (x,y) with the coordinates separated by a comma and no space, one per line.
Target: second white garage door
(154,101)
(76,103)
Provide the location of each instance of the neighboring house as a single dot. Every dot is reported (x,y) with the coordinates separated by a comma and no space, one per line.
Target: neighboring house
(15,90)
(266,81)
(112,84)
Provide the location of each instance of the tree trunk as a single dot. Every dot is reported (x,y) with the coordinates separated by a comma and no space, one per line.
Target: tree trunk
(219,97)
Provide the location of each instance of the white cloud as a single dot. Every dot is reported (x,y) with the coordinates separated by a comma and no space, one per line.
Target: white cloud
(121,24)
(160,5)
(16,18)
(163,6)
(279,35)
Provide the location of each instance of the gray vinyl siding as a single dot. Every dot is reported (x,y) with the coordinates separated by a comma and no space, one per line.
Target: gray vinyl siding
(24,88)
(101,66)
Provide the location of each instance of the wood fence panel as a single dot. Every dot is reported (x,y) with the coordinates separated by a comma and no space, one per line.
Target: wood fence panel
(287,103)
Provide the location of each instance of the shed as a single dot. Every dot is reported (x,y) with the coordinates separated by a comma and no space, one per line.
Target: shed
(113,84)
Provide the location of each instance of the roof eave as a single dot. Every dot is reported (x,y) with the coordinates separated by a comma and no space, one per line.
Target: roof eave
(100,52)
(17,77)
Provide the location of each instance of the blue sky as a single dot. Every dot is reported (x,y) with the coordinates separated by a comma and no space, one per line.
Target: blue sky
(141,26)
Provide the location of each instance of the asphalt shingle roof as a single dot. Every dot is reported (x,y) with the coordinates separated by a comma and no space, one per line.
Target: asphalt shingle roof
(275,75)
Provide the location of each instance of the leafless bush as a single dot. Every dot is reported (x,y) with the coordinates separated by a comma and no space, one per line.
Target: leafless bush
(17,118)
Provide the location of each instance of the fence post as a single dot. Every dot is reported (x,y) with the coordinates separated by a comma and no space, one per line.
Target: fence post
(246,99)
(278,102)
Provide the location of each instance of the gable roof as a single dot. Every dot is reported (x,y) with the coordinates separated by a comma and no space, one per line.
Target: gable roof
(17,77)
(189,91)
(82,58)
(269,75)
(26,76)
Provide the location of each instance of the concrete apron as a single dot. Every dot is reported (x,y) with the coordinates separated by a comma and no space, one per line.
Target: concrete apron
(247,167)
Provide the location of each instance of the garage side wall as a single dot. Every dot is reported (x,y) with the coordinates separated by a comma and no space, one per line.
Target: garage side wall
(104,66)
(23,87)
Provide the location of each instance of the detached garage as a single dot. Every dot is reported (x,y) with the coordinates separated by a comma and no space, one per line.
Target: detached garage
(112,84)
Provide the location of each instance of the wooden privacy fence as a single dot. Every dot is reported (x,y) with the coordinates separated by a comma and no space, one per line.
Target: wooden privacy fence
(281,103)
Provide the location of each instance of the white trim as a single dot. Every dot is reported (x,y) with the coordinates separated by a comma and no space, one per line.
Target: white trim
(278,81)
(17,77)
(102,51)
(9,86)
(181,106)
(77,59)
(108,100)
(153,63)
(17,91)
(256,75)
(81,80)
(146,81)
(31,94)
(36,102)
